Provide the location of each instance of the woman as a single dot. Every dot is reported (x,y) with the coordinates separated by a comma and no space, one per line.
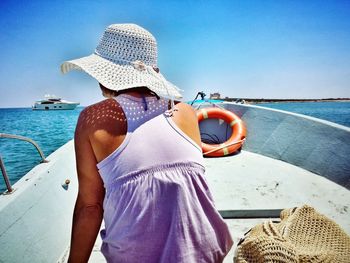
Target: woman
(140,165)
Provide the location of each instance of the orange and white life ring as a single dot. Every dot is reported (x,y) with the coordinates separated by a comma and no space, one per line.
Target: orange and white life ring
(237,138)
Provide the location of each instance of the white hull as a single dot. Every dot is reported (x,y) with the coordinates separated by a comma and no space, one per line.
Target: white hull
(55,106)
(35,220)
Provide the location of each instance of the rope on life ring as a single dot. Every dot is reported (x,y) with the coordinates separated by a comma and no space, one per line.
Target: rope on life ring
(238,135)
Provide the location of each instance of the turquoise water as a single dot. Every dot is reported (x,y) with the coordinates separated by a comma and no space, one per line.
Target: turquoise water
(338,112)
(52,129)
(201,101)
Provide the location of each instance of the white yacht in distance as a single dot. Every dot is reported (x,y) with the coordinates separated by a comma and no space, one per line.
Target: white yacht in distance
(52,102)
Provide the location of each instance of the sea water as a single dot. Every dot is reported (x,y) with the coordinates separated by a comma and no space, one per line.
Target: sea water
(338,112)
(52,129)
(49,129)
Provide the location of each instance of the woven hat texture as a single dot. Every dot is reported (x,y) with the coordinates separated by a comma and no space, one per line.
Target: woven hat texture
(303,235)
(125,58)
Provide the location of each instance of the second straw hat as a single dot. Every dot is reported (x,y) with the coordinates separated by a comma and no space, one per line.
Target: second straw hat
(125,58)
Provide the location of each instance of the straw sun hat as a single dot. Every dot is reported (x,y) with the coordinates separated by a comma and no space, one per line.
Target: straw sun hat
(126,57)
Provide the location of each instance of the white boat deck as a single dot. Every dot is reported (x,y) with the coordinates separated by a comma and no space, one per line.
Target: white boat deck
(252,181)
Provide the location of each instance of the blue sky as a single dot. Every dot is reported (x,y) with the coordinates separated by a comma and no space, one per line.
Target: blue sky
(256,49)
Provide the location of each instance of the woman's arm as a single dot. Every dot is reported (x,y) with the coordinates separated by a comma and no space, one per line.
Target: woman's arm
(88,211)
(186,119)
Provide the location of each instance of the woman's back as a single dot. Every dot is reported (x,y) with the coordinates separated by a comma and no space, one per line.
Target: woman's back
(157,206)
(153,139)
(149,187)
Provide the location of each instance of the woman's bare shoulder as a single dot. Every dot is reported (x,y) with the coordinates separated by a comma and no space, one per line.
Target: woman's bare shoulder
(186,112)
(99,115)
(102,107)
(186,119)
(102,126)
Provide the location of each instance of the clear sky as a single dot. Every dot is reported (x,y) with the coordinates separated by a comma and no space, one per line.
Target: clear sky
(255,49)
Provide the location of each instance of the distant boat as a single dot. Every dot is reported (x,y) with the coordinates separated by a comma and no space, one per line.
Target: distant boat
(51,102)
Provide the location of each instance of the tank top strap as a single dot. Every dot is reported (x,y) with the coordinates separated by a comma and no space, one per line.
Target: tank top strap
(173,126)
(139,110)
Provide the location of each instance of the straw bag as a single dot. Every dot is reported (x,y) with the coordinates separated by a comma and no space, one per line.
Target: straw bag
(303,235)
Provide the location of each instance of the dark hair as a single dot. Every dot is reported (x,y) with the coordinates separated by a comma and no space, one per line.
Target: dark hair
(115,93)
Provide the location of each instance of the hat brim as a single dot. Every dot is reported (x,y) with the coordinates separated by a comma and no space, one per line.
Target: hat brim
(122,75)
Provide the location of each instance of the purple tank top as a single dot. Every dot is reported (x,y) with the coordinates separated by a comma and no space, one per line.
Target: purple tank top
(157,205)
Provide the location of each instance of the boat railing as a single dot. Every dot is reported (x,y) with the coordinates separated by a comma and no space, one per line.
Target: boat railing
(2,165)
(250,213)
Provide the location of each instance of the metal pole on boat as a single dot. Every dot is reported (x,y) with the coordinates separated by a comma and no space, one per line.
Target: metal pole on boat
(22,138)
(6,178)
(250,213)
(2,166)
